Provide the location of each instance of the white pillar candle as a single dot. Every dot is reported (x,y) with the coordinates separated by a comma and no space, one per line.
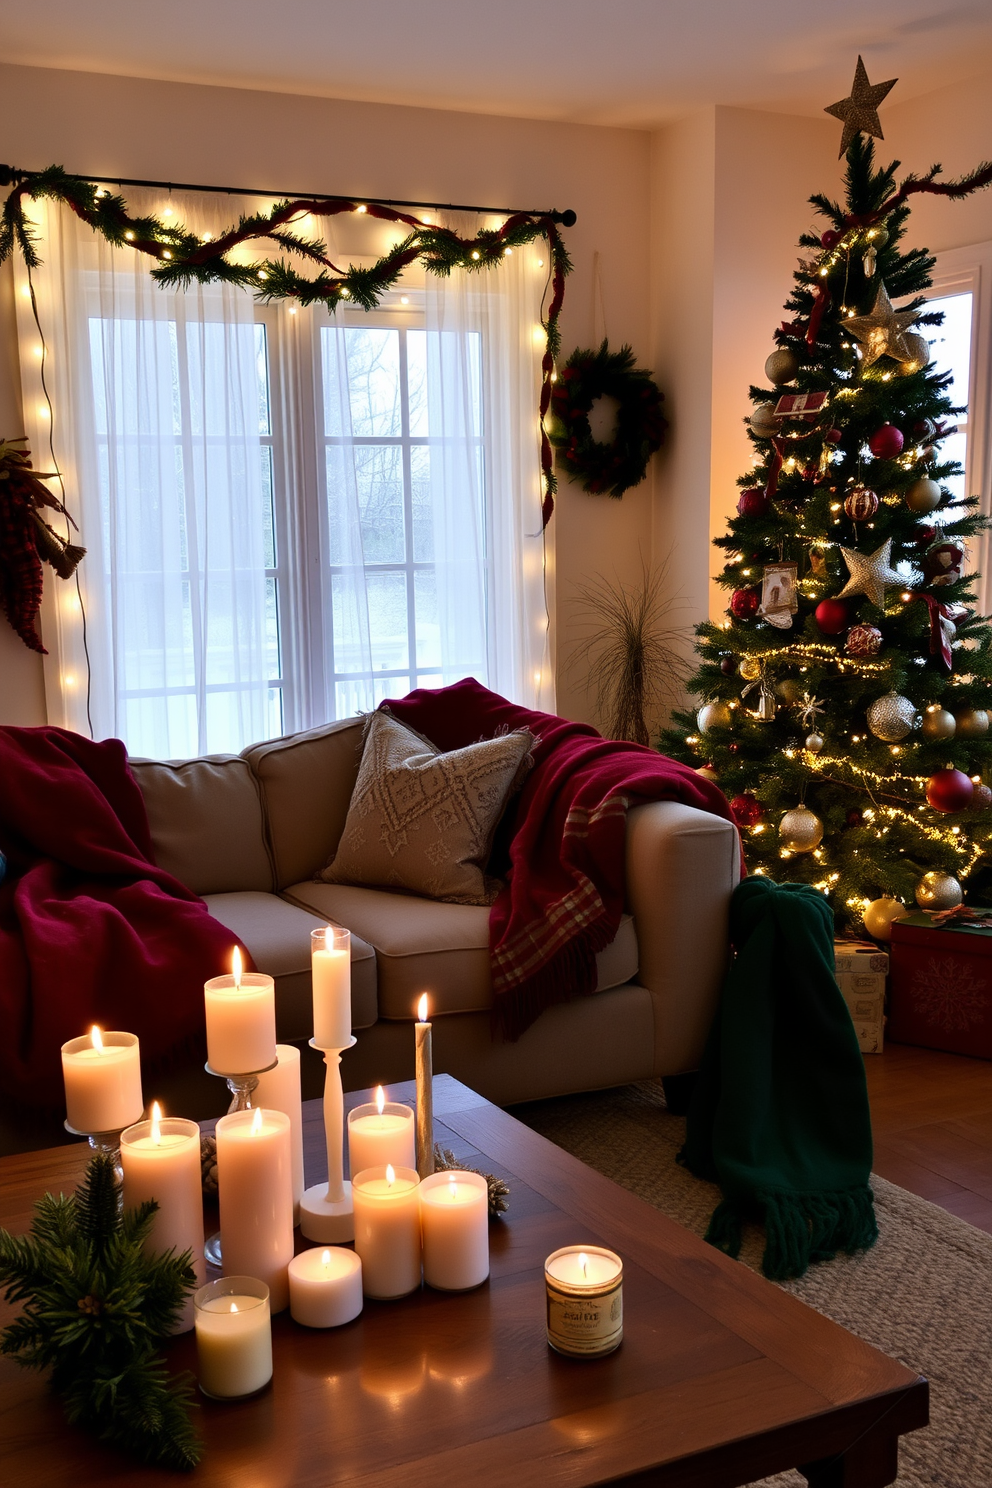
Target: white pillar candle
(255,1194)
(325,1287)
(424,1070)
(102,1074)
(381,1133)
(161,1161)
(279,1090)
(330,957)
(454,1218)
(233,1337)
(584,1285)
(241,1020)
(387,1230)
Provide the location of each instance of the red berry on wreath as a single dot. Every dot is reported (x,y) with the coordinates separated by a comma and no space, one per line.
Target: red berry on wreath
(861,504)
(863,641)
(832,616)
(753,503)
(746,810)
(949,790)
(886,442)
(744,604)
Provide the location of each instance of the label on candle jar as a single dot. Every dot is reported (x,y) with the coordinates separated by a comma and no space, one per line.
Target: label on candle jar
(585,1325)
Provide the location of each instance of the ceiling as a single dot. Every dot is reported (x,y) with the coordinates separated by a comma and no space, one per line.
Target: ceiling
(618,62)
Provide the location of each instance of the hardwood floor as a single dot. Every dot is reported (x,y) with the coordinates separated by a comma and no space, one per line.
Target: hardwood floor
(932,1122)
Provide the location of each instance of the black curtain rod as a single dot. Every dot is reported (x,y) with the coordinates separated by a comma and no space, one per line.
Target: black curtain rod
(11,175)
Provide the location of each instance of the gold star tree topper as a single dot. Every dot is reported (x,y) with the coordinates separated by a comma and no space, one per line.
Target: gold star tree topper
(870,573)
(883,332)
(860,111)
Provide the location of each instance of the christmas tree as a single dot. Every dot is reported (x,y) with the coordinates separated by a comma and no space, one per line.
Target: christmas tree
(845,698)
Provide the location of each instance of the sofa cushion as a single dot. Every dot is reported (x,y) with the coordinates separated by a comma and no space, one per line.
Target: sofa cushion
(423,820)
(278,935)
(306,782)
(206,822)
(424,945)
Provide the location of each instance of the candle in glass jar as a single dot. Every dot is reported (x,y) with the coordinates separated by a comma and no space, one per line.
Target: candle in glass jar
(233,1337)
(325,1287)
(387,1230)
(102,1074)
(279,1090)
(255,1194)
(381,1133)
(584,1300)
(454,1217)
(160,1159)
(241,1020)
(330,963)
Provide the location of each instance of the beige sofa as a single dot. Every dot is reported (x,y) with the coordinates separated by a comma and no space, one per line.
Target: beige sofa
(249,832)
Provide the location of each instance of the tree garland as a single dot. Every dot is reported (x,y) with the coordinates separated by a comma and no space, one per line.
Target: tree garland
(182,258)
(587,375)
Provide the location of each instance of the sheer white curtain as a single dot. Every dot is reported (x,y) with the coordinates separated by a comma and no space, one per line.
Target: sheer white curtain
(156,429)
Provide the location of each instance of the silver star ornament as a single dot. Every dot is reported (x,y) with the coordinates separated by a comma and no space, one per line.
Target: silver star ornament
(870,573)
(883,332)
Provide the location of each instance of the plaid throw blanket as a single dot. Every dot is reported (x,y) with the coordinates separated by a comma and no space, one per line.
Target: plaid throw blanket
(561,844)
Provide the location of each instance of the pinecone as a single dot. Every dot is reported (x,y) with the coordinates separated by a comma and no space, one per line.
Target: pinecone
(499,1191)
(208,1165)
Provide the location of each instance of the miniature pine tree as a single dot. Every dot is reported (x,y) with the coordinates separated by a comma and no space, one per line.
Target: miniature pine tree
(96,1309)
(845,696)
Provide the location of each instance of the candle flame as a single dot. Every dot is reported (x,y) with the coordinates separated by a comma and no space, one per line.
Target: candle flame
(584,1263)
(234,1307)
(422,1009)
(236,966)
(256,1121)
(326,1258)
(390,1174)
(452,1187)
(156,1123)
(96,1037)
(380,1099)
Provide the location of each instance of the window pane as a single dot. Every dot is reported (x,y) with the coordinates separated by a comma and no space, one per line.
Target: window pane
(416,373)
(388,620)
(222,378)
(268,508)
(262,366)
(428,630)
(955,447)
(272,658)
(361,370)
(420,494)
(950,344)
(379,478)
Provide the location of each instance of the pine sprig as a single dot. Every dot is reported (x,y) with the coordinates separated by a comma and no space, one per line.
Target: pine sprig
(96,1310)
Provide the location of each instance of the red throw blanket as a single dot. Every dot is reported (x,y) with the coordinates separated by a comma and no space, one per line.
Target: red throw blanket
(90,930)
(565,891)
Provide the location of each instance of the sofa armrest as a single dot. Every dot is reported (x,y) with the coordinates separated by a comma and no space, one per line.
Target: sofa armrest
(682,866)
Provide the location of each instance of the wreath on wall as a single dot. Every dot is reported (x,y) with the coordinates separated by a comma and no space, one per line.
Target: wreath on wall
(606,469)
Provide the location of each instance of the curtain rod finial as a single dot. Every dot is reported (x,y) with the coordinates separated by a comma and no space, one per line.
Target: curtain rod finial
(567,219)
(10,175)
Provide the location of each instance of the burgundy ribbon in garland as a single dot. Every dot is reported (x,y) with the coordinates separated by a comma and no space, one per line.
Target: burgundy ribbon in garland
(817,313)
(939,644)
(775,467)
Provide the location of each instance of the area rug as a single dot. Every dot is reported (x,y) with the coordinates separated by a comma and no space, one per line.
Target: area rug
(922,1295)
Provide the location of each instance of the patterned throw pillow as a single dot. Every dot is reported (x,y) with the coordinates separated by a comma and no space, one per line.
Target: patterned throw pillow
(424,821)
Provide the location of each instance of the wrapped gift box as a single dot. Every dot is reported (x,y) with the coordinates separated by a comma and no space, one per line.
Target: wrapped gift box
(859,958)
(868,1016)
(941,990)
(861,970)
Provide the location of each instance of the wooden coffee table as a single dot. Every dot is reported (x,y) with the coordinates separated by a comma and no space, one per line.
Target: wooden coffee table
(721,1378)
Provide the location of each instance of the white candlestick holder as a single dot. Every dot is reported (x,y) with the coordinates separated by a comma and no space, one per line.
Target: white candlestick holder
(242,1088)
(326,1212)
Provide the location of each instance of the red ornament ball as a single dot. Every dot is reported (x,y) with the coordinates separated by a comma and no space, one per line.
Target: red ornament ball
(832,616)
(753,503)
(949,790)
(943,562)
(925,537)
(886,442)
(924,428)
(829,239)
(863,640)
(833,436)
(728,665)
(744,604)
(861,504)
(747,810)
(981,798)
(854,818)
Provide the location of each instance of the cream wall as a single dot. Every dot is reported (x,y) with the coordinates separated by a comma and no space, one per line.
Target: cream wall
(128,127)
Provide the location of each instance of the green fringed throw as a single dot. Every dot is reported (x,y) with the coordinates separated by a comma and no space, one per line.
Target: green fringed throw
(779,1115)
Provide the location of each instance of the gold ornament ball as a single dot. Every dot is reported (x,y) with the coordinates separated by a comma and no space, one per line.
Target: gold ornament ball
(782,367)
(891,717)
(880,914)
(938,723)
(814,743)
(750,669)
(923,495)
(800,830)
(763,421)
(938,891)
(919,353)
(713,715)
(972,723)
(708,773)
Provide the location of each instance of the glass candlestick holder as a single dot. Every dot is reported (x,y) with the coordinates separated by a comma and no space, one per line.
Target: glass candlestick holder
(242,1087)
(107,1143)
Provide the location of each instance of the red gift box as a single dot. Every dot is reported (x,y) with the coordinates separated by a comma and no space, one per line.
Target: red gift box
(941,987)
(800,405)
